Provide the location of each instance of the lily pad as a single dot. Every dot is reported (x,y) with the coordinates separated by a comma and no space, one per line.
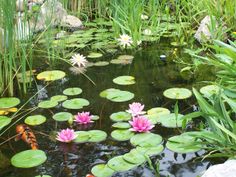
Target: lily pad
(59,98)
(121,125)
(97,135)
(51,75)
(122,135)
(94,55)
(72,91)
(106,92)
(9,102)
(134,157)
(28,159)
(120,116)
(76,103)
(4,121)
(82,137)
(210,90)
(35,120)
(177,93)
(124,80)
(146,140)
(120,96)
(119,164)
(125,57)
(183,144)
(150,151)
(62,116)
(94,117)
(102,170)
(158,111)
(47,104)
(170,121)
(101,63)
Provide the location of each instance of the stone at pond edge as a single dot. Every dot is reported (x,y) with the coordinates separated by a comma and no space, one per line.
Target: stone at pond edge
(28,159)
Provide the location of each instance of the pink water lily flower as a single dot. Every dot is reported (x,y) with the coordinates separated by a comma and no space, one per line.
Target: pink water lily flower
(136,109)
(141,124)
(66,135)
(83,118)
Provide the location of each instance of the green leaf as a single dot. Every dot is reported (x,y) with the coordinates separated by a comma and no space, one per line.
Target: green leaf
(120,116)
(119,164)
(122,135)
(124,80)
(134,157)
(72,91)
(51,75)
(35,120)
(76,103)
(102,170)
(97,135)
(4,121)
(9,102)
(146,140)
(47,104)
(59,98)
(177,93)
(150,151)
(62,116)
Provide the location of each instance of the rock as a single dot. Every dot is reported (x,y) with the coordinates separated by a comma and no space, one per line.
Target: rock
(203,33)
(227,169)
(71,22)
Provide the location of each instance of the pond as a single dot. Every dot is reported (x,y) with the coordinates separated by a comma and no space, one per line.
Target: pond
(152,77)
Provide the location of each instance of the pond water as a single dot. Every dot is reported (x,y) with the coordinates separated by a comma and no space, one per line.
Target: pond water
(152,76)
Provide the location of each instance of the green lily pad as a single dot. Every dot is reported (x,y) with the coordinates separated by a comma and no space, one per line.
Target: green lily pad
(94,55)
(51,75)
(102,170)
(47,104)
(28,159)
(134,157)
(125,57)
(62,116)
(119,164)
(9,102)
(94,117)
(4,121)
(124,80)
(177,93)
(158,111)
(146,140)
(35,120)
(106,92)
(120,96)
(121,125)
(72,91)
(183,144)
(210,90)
(120,116)
(97,136)
(170,121)
(101,63)
(82,137)
(43,176)
(122,135)
(150,151)
(59,98)
(76,103)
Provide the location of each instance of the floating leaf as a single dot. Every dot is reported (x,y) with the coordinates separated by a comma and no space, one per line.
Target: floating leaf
(210,90)
(124,80)
(94,55)
(158,111)
(125,57)
(122,62)
(101,63)
(177,93)
(72,91)
(146,140)
(170,121)
(4,121)
(35,120)
(47,104)
(102,170)
(106,92)
(51,75)
(76,103)
(59,98)
(183,144)
(120,116)
(119,164)
(122,135)
(9,102)
(94,117)
(121,125)
(134,157)
(62,116)
(82,137)
(28,158)
(150,151)
(97,135)
(120,96)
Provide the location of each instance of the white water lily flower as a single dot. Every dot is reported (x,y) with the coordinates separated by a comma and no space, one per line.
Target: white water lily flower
(78,60)
(147,32)
(144,17)
(125,40)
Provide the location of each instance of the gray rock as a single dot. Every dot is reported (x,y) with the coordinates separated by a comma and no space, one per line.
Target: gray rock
(203,33)
(71,22)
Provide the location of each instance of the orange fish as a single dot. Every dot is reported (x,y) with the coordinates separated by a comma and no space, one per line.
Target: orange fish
(89,175)
(27,135)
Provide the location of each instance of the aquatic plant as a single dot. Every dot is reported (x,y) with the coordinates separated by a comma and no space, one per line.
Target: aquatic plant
(141,124)
(125,40)
(83,118)
(66,135)
(136,109)
(78,60)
